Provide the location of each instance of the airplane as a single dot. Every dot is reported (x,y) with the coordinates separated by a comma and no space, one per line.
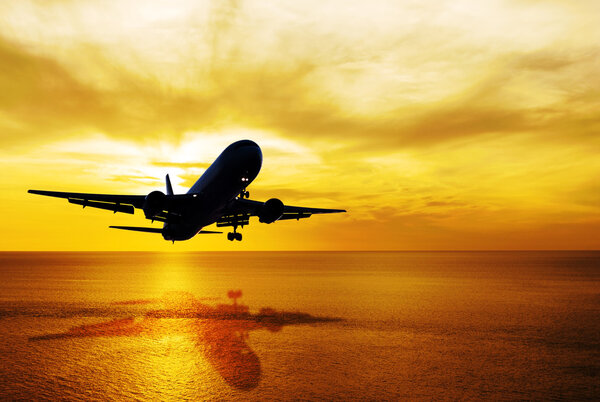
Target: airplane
(219,196)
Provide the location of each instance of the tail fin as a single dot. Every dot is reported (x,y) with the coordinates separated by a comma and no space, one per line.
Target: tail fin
(169,187)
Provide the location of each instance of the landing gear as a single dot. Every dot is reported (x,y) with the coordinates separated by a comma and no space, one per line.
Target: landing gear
(231,236)
(245,194)
(234,236)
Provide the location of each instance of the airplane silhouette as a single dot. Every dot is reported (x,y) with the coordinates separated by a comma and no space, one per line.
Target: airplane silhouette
(219,196)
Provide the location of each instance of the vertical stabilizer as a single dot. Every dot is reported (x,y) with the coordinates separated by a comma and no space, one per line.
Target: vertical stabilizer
(169,187)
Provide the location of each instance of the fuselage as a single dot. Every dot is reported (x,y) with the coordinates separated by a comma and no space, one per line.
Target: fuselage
(236,167)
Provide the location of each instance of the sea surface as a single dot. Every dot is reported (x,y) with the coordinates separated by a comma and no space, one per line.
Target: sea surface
(300,325)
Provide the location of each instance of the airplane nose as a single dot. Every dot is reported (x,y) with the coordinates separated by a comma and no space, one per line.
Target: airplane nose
(248,155)
(253,160)
(257,155)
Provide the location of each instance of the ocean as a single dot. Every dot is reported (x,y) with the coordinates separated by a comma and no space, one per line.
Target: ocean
(300,325)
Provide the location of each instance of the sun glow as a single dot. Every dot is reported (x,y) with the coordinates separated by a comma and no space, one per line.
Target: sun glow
(435,124)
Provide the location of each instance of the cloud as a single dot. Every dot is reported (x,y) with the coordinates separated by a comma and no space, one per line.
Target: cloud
(182,165)
(39,96)
(257,73)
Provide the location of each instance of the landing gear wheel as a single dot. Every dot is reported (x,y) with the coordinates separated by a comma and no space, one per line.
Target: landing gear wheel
(230,236)
(247,194)
(238,236)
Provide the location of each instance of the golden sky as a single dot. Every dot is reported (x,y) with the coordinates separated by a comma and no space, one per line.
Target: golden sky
(437,124)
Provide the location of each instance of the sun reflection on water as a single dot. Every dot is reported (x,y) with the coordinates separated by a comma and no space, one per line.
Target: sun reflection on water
(190,338)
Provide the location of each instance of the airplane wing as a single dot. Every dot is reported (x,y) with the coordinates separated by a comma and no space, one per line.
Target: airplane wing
(119,203)
(240,211)
(111,202)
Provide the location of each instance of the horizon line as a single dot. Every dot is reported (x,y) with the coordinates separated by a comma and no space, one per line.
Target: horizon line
(292,251)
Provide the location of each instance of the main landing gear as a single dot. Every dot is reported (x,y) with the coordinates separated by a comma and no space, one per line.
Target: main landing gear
(234,236)
(244,194)
(231,236)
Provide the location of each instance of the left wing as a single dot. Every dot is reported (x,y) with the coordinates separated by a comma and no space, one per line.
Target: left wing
(111,202)
(240,211)
(171,210)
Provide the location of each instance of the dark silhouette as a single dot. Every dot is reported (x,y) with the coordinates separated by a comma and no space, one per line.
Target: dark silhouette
(220,331)
(234,294)
(217,197)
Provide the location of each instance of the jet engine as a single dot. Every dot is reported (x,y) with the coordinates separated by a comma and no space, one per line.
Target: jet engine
(154,204)
(271,211)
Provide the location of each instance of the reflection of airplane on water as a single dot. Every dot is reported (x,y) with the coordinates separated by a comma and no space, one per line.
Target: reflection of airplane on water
(219,196)
(220,331)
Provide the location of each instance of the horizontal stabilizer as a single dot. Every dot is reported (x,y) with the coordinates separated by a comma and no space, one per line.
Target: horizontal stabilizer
(155,230)
(138,229)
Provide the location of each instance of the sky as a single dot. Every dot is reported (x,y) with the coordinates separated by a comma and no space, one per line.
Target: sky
(438,125)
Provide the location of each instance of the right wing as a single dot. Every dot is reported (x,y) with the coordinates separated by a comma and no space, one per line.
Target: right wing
(240,211)
(252,208)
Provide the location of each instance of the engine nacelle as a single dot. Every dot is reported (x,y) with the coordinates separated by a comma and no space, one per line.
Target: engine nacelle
(271,211)
(154,204)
